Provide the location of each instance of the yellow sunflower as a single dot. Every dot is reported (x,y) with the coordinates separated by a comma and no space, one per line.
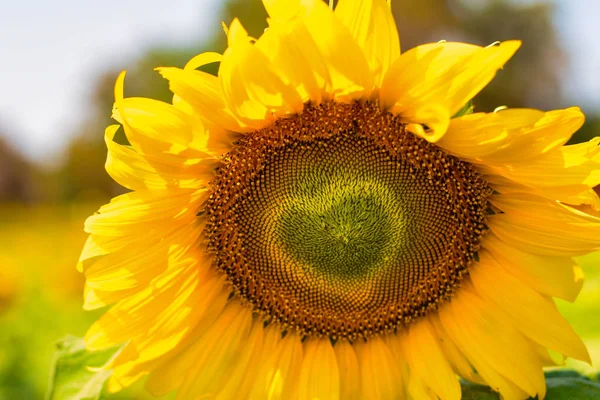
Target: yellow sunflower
(313,223)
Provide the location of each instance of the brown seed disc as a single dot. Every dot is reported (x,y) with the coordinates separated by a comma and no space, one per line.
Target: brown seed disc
(338,222)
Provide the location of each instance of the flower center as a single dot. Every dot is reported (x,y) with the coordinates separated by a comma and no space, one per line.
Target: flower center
(338,222)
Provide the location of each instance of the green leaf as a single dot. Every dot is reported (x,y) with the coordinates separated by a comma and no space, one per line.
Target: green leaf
(471,391)
(71,378)
(561,384)
(467,109)
(572,388)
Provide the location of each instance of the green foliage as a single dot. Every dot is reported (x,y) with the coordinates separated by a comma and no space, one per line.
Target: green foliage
(467,109)
(568,384)
(477,392)
(562,385)
(71,376)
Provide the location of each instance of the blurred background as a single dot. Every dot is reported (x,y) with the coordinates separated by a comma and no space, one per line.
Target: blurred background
(60,60)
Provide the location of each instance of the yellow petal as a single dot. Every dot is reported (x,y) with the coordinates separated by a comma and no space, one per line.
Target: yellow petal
(551,131)
(135,213)
(138,171)
(203,59)
(252,88)
(348,68)
(533,314)
(553,276)
(459,362)
(221,346)
(582,195)
(295,55)
(245,370)
(169,376)
(279,370)
(319,376)
(283,10)
(148,120)
(372,26)
(428,363)
(94,299)
(537,225)
(203,92)
(126,270)
(418,390)
(163,130)
(430,83)
(574,168)
(476,136)
(349,370)
(228,321)
(123,379)
(395,343)
(168,300)
(213,140)
(499,353)
(91,249)
(380,376)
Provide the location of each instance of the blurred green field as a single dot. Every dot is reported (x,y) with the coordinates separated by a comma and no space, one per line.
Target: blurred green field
(40,296)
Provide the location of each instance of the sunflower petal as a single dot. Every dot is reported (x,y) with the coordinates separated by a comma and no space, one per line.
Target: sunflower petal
(534,315)
(138,171)
(244,372)
(572,169)
(135,213)
(152,123)
(428,363)
(349,370)
(550,132)
(349,70)
(476,136)
(252,88)
(203,59)
(379,373)
(459,362)
(203,92)
(577,195)
(294,53)
(163,130)
(283,10)
(483,337)
(219,347)
(430,83)
(372,26)
(553,276)
(279,370)
(145,354)
(540,226)
(171,296)
(319,376)
(94,299)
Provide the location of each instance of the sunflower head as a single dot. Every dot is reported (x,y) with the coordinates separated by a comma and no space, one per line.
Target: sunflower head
(312,222)
(338,222)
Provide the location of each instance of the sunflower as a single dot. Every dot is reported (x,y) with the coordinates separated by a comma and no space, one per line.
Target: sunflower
(322,221)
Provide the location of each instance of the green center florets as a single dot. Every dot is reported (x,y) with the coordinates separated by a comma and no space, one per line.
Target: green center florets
(342,230)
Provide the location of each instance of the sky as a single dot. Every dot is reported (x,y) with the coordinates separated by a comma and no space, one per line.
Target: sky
(53,50)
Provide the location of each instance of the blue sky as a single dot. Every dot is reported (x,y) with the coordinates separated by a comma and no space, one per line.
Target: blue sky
(62,45)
